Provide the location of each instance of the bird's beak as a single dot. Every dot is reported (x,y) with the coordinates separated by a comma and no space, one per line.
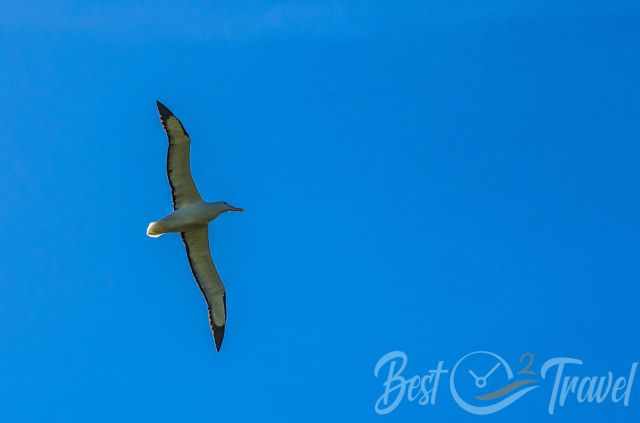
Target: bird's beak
(237,209)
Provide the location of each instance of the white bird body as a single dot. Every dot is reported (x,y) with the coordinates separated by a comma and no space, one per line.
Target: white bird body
(190,218)
(187,218)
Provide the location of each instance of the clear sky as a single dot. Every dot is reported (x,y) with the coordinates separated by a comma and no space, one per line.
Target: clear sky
(432,177)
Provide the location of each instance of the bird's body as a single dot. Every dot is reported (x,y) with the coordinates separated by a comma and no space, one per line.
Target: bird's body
(186,218)
(190,218)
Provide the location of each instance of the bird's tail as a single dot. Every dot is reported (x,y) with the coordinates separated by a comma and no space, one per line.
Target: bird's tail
(155,229)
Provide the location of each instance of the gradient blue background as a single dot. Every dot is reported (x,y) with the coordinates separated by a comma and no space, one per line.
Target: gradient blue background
(432,177)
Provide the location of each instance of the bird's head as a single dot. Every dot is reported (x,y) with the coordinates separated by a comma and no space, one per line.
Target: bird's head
(220,207)
(228,207)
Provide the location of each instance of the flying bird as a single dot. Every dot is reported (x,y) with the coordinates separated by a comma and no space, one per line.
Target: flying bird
(191,216)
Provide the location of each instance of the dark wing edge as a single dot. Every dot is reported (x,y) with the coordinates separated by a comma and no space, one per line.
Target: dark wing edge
(216,299)
(165,114)
(218,331)
(183,189)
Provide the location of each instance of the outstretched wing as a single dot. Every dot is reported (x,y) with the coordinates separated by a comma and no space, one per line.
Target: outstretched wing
(197,244)
(183,189)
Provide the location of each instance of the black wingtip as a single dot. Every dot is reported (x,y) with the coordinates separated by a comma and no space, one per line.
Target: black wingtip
(164,110)
(218,335)
(165,114)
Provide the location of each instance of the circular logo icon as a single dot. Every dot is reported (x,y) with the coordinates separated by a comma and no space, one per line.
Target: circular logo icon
(489,379)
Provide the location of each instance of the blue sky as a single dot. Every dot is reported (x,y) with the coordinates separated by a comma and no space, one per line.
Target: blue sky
(434,178)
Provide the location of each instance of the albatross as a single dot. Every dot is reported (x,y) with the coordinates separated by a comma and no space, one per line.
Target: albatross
(191,216)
